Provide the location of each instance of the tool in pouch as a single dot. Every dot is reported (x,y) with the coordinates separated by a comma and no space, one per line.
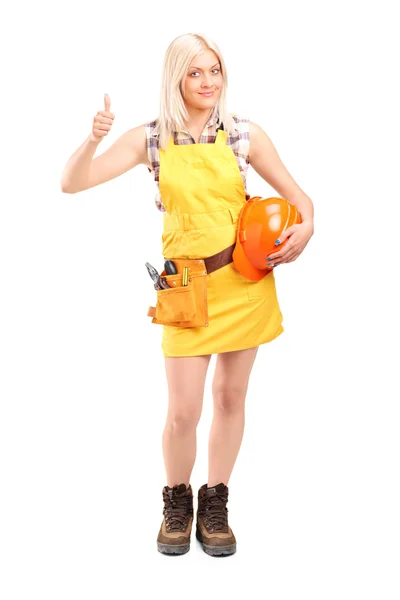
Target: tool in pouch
(170,269)
(184,302)
(159,282)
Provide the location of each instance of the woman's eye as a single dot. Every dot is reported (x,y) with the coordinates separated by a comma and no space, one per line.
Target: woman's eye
(195,72)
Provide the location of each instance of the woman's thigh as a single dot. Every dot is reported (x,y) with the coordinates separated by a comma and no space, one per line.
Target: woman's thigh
(186,380)
(231,377)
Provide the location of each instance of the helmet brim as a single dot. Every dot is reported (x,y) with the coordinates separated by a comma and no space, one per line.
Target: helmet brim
(244,266)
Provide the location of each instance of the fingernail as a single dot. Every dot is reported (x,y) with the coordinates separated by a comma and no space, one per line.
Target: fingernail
(268,264)
(278,241)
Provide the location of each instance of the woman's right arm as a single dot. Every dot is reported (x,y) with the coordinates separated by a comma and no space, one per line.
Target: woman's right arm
(82,171)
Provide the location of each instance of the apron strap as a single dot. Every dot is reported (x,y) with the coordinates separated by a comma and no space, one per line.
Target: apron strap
(221,137)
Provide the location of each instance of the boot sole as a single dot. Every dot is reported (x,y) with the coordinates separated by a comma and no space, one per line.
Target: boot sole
(173,549)
(215,550)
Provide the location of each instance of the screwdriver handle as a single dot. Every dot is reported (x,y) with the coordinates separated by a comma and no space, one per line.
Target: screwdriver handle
(170,267)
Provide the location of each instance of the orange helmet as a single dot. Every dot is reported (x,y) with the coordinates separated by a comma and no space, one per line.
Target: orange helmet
(261,222)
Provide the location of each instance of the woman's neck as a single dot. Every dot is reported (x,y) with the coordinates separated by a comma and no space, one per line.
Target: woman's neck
(197,118)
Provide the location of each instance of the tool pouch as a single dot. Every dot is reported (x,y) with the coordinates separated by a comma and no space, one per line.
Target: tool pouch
(183,306)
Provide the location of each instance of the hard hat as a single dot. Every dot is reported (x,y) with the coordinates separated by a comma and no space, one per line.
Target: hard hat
(261,222)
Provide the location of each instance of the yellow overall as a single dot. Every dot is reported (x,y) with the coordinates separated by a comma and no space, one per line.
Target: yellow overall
(203,192)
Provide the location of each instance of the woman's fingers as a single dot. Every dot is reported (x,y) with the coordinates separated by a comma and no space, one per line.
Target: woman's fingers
(103,121)
(289,257)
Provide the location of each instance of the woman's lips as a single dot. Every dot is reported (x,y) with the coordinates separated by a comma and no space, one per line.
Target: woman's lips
(206,94)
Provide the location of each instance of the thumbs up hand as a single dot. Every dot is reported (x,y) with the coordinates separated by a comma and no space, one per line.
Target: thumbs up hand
(102,122)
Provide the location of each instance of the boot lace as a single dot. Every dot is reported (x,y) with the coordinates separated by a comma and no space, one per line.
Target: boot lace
(215,512)
(177,509)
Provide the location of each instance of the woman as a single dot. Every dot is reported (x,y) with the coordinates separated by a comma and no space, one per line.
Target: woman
(199,154)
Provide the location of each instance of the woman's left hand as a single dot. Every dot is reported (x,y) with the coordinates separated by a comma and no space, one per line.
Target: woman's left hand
(297,239)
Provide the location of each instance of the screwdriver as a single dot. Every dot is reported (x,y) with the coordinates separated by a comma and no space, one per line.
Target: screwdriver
(170,267)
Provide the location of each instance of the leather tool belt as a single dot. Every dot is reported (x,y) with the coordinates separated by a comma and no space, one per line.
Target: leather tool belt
(220,259)
(187,305)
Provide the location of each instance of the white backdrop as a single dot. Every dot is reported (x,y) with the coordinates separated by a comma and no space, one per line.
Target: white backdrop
(314,495)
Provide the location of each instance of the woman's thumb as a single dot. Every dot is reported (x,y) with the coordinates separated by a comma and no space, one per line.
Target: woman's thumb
(107,102)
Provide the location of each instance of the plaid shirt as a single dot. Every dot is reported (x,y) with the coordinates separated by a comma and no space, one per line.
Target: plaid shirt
(239,143)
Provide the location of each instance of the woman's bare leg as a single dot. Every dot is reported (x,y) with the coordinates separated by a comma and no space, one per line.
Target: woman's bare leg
(229,388)
(186,378)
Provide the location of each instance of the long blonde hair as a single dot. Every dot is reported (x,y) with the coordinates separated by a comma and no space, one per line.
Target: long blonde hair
(173,113)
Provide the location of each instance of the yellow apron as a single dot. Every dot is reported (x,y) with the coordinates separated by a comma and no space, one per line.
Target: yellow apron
(203,192)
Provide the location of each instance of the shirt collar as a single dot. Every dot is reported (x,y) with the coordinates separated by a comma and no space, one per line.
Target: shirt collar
(211,121)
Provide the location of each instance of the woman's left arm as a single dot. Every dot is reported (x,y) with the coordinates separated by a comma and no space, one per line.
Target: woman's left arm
(265,160)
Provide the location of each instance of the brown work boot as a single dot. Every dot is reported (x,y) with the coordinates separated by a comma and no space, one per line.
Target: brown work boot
(212,528)
(176,527)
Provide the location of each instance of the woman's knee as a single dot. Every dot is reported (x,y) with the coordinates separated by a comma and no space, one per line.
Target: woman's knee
(182,420)
(228,398)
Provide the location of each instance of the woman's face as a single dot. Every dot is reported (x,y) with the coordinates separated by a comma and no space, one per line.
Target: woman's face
(203,82)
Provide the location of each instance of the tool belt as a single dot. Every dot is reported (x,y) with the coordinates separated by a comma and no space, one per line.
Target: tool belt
(187,305)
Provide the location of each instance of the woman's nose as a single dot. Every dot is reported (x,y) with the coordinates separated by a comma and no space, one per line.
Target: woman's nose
(206,81)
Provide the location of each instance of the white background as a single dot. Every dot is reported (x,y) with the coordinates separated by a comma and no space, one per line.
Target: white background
(314,494)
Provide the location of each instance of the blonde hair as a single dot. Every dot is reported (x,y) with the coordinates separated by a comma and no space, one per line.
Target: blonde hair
(173,113)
